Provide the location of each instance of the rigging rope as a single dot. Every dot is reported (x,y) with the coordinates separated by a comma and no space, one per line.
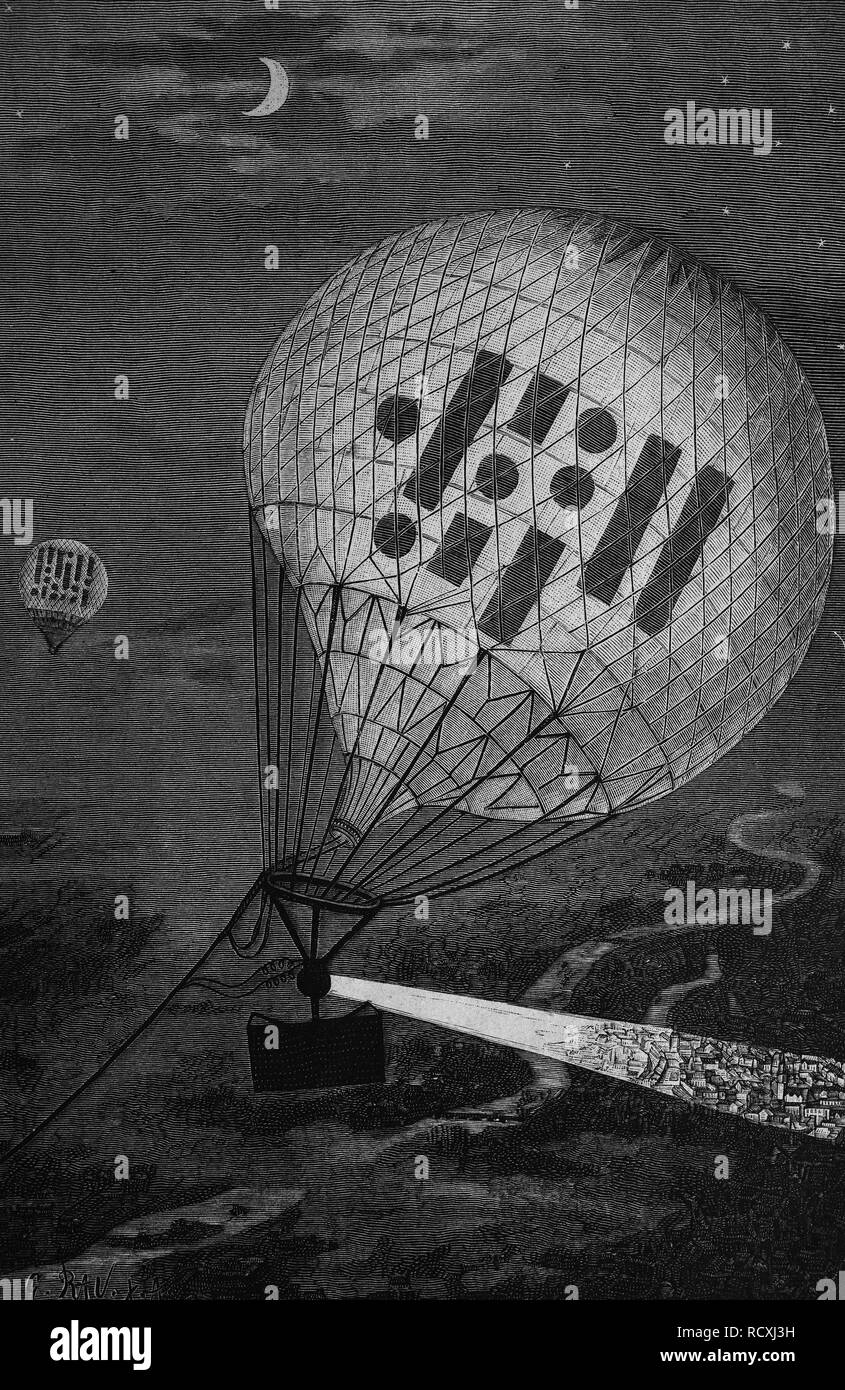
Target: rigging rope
(449,848)
(136,1033)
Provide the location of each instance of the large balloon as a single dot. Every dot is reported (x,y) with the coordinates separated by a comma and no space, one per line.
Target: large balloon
(62,584)
(587,467)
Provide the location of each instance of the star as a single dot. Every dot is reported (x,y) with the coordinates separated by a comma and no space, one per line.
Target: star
(778,144)
(726,212)
(831,110)
(841,347)
(822,243)
(724,81)
(787,44)
(567,165)
(18,113)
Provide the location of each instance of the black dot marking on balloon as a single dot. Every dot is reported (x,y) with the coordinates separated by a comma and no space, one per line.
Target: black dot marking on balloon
(397,417)
(572,487)
(395,534)
(596,431)
(497,476)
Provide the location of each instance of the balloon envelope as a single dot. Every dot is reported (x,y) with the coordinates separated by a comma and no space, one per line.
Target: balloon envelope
(62,584)
(547,491)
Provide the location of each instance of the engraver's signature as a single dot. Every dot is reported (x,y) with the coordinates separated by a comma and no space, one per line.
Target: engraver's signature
(82,1288)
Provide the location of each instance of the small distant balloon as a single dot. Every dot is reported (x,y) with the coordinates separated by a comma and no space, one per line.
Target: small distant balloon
(62,585)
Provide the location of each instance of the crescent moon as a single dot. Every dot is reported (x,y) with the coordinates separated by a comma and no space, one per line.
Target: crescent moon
(278,93)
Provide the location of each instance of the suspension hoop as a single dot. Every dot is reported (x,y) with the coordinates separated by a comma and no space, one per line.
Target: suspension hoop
(324,894)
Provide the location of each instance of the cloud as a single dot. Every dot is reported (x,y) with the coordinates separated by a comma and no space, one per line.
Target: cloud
(207,618)
(352,71)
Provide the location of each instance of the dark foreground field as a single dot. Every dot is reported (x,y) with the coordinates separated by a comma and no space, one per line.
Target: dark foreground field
(598,1191)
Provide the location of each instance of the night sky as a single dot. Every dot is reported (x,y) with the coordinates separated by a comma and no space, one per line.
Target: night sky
(147,257)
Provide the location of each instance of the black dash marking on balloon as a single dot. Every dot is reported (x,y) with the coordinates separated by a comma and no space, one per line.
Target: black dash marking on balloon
(462,545)
(615,551)
(36,579)
(473,400)
(521,585)
(682,550)
(88,580)
(539,408)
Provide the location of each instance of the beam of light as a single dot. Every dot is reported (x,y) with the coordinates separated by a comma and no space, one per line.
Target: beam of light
(805,1094)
